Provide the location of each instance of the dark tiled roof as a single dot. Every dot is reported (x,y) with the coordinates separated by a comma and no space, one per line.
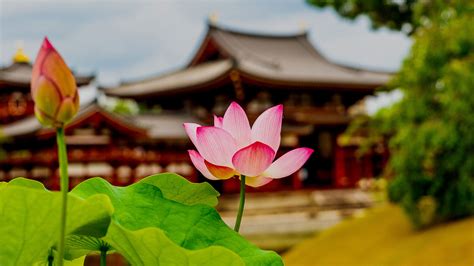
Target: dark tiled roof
(19,74)
(153,126)
(179,80)
(289,60)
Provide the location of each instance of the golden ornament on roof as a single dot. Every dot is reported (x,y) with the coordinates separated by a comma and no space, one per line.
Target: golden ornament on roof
(20,56)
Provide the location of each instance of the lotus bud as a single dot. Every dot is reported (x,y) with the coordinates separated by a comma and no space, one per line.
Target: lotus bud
(53,88)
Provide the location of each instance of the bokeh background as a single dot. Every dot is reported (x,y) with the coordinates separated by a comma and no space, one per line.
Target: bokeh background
(392,180)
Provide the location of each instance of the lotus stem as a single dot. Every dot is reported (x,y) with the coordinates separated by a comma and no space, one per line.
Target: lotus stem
(241,204)
(50,258)
(103,256)
(64,182)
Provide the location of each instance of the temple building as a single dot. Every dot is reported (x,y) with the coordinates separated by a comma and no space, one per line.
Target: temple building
(259,71)
(256,70)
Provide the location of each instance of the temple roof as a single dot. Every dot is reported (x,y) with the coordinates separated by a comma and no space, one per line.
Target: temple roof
(189,78)
(19,75)
(30,125)
(165,126)
(271,60)
(155,127)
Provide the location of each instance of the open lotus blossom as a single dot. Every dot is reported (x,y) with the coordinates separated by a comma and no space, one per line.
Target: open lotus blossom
(53,88)
(232,148)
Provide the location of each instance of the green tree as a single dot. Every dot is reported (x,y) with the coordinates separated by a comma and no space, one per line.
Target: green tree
(396,15)
(431,129)
(402,15)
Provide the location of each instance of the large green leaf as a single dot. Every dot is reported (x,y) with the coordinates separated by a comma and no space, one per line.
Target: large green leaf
(24,182)
(81,245)
(178,188)
(75,262)
(29,220)
(144,215)
(172,186)
(150,246)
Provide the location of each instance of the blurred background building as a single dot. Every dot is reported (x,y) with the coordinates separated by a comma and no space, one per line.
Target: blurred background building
(257,70)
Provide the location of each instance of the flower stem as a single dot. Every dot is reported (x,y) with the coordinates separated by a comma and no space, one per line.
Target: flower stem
(103,256)
(241,204)
(50,258)
(64,181)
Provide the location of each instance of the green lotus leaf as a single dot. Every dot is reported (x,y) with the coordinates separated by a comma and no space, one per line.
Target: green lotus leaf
(178,188)
(76,262)
(81,245)
(29,221)
(151,246)
(172,186)
(24,182)
(144,214)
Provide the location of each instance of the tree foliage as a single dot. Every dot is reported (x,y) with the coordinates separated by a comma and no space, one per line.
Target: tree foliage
(392,14)
(430,129)
(404,15)
(432,146)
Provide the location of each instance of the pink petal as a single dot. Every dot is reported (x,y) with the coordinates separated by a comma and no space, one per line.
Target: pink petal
(289,163)
(221,172)
(190,129)
(218,121)
(216,145)
(267,127)
(198,162)
(253,159)
(257,181)
(237,124)
(45,49)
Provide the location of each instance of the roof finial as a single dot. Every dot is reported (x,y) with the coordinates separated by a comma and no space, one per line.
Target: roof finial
(213,18)
(20,56)
(303,26)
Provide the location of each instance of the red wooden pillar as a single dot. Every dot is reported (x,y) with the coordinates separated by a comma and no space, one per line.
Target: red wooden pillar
(296,181)
(340,167)
(55,179)
(231,185)
(368,165)
(356,169)
(114,176)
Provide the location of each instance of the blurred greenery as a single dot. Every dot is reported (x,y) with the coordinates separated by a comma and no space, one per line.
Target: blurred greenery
(430,130)
(406,15)
(120,106)
(384,237)
(392,14)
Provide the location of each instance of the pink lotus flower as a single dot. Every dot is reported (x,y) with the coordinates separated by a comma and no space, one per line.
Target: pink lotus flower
(53,88)
(231,148)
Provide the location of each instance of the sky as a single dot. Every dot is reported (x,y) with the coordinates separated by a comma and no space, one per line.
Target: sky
(123,40)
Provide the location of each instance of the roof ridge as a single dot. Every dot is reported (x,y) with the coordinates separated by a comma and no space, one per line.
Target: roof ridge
(213,26)
(315,52)
(249,55)
(155,76)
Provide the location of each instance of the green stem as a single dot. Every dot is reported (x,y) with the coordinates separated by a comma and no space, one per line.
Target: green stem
(64,181)
(50,258)
(103,256)
(241,204)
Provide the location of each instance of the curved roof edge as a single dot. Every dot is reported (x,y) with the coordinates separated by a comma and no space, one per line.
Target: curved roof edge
(30,125)
(188,78)
(256,34)
(19,74)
